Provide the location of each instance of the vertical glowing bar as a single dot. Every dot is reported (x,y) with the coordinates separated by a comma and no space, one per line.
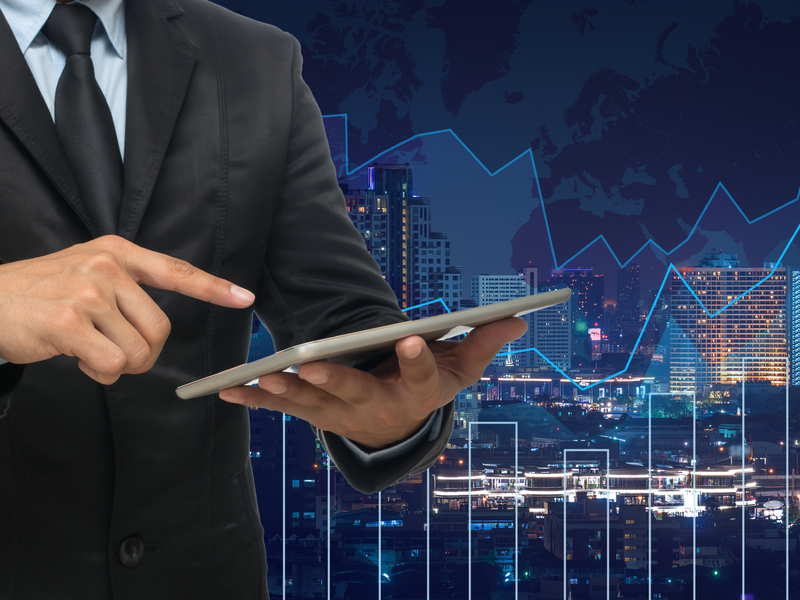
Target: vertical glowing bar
(283,513)
(743,449)
(649,495)
(346,148)
(608,517)
(330,518)
(786,504)
(649,488)
(516,510)
(694,493)
(469,512)
(564,547)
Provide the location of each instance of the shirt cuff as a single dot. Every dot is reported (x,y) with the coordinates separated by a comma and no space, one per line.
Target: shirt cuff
(2,360)
(429,432)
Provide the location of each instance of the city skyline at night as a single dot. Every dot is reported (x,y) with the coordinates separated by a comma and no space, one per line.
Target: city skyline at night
(642,439)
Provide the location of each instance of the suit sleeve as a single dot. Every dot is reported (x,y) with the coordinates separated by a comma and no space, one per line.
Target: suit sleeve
(319,280)
(10,376)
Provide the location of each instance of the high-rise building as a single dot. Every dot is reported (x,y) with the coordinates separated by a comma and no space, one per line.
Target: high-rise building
(447,286)
(793,301)
(709,350)
(396,183)
(369,213)
(489,289)
(628,293)
(531,277)
(415,252)
(396,227)
(587,290)
(432,277)
(588,304)
(552,335)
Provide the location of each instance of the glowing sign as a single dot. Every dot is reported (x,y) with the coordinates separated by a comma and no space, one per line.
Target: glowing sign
(594,334)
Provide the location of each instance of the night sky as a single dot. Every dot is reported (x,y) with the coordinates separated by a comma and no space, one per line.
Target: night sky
(631,113)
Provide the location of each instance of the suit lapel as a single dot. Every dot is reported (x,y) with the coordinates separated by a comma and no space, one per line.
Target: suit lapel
(24,111)
(160,62)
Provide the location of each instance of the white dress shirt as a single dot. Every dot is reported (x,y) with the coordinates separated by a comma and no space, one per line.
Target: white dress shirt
(109,57)
(26,19)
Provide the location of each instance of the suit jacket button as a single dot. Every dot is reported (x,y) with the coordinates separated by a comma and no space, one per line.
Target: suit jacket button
(131,552)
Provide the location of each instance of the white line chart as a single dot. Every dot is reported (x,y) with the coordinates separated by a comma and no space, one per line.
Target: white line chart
(672,270)
(607,512)
(564,492)
(786,477)
(516,503)
(650,487)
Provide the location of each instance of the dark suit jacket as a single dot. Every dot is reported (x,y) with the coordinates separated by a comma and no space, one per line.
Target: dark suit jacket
(227,167)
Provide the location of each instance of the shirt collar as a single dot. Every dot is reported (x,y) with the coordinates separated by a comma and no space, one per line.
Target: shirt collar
(26,18)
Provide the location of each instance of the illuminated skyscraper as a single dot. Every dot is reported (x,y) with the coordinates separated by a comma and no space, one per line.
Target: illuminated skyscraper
(706,350)
(628,293)
(552,335)
(396,183)
(587,292)
(793,300)
(587,302)
(488,289)
(396,227)
(432,277)
(368,212)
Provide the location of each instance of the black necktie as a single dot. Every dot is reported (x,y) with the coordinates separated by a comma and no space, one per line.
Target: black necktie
(83,119)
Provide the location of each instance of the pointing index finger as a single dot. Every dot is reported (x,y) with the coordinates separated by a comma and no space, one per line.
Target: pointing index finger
(168,273)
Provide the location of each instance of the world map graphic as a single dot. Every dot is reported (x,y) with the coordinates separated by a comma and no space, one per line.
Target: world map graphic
(633,111)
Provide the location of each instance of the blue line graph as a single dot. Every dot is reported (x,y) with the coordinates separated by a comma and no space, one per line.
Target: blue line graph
(599,238)
(426,304)
(650,314)
(652,309)
(529,153)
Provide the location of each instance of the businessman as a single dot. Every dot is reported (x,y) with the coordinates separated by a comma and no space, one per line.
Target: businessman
(172,144)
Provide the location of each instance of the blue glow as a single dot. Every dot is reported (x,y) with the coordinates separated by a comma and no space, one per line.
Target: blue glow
(649,316)
(529,153)
(599,238)
(426,304)
(392,523)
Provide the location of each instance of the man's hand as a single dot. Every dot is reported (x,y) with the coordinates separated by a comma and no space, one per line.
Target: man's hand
(391,402)
(85,301)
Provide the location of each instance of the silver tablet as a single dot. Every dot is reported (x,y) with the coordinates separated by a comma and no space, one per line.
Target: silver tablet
(352,348)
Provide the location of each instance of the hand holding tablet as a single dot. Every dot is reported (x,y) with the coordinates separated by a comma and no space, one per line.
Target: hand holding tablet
(352,348)
(376,409)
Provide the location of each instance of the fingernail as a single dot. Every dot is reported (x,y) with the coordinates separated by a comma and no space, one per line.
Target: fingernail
(317,377)
(412,350)
(242,294)
(275,388)
(229,396)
